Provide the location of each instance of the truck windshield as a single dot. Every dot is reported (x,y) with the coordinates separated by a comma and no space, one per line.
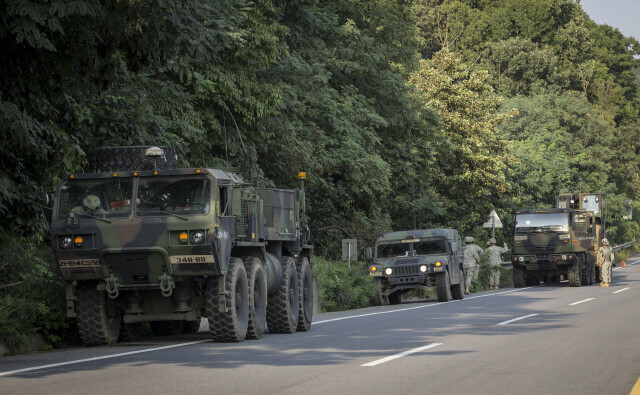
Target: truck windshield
(96,198)
(416,248)
(557,222)
(160,196)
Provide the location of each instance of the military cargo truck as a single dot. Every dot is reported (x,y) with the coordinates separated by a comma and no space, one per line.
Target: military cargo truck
(406,260)
(560,241)
(138,240)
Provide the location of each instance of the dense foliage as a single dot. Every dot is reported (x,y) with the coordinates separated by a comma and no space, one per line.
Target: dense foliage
(404,114)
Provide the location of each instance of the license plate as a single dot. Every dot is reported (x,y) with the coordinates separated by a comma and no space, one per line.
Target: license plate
(438,269)
(191,259)
(79,262)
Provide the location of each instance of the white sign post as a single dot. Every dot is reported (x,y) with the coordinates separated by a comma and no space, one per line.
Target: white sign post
(493,223)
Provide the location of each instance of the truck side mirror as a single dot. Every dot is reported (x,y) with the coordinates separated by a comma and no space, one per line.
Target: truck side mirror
(369,253)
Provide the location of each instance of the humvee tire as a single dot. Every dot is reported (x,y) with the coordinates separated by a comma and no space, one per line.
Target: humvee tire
(166,328)
(284,303)
(110,159)
(574,274)
(457,290)
(378,299)
(443,287)
(257,283)
(395,298)
(98,320)
(230,324)
(518,277)
(305,282)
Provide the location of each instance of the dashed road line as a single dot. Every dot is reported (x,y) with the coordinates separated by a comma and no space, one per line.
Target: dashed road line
(580,301)
(620,290)
(402,354)
(122,354)
(517,319)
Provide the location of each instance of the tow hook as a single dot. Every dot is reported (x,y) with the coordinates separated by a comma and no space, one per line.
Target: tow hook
(166,284)
(111,283)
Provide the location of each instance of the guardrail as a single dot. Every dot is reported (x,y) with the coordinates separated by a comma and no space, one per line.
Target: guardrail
(623,246)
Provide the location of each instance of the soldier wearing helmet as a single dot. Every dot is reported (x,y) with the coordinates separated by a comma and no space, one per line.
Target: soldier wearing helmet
(471,262)
(605,261)
(495,260)
(90,205)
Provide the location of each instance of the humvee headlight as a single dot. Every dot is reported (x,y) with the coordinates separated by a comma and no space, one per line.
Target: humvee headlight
(66,242)
(197,237)
(184,237)
(564,257)
(388,271)
(423,268)
(373,269)
(438,264)
(78,241)
(521,259)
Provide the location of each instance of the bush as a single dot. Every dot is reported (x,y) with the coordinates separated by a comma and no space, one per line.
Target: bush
(342,286)
(31,293)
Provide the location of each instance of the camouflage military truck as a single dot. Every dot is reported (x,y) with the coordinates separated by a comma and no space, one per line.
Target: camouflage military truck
(417,259)
(138,240)
(559,241)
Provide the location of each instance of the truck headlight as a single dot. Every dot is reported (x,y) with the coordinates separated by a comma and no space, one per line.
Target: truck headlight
(197,237)
(521,259)
(423,268)
(564,257)
(388,271)
(66,242)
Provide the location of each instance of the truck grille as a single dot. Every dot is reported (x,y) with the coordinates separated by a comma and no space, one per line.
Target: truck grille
(406,270)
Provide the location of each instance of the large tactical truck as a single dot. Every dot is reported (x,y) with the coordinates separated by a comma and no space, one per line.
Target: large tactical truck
(138,240)
(417,259)
(560,241)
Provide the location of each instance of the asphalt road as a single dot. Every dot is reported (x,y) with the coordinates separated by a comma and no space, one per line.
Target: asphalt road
(540,340)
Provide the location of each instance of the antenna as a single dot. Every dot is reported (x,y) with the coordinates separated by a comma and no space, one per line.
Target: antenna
(247,164)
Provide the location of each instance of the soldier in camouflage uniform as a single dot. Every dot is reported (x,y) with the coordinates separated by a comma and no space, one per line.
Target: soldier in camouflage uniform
(471,261)
(605,261)
(495,260)
(90,205)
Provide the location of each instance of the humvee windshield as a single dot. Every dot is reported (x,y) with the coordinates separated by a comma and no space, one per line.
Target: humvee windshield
(96,198)
(413,248)
(557,222)
(173,196)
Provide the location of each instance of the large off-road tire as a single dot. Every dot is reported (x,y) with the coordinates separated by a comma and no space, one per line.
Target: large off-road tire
(305,281)
(378,299)
(518,277)
(574,274)
(395,297)
(257,283)
(131,332)
(586,272)
(166,328)
(457,290)
(283,307)
(98,319)
(443,287)
(230,323)
(130,158)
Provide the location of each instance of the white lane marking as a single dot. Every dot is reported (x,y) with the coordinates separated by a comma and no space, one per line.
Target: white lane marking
(54,365)
(413,308)
(580,301)
(517,319)
(402,354)
(620,290)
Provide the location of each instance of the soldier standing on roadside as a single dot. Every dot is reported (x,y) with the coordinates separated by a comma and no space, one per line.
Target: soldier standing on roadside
(605,261)
(495,260)
(471,261)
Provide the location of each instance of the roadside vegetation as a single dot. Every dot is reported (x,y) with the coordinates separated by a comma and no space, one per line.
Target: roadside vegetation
(404,115)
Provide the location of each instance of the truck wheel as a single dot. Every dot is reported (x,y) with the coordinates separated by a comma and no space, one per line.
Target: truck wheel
(395,298)
(129,158)
(457,290)
(230,323)
(443,287)
(284,303)
(166,328)
(518,277)
(305,281)
(586,272)
(257,282)
(378,299)
(98,319)
(574,274)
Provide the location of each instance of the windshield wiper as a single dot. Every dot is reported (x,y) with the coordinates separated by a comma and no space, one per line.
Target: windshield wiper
(174,214)
(94,217)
